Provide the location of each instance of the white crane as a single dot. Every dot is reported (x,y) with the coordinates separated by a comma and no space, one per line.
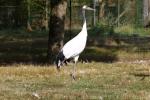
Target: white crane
(75,46)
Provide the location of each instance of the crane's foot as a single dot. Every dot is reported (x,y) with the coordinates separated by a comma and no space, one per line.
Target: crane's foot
(73,76)
(58,69)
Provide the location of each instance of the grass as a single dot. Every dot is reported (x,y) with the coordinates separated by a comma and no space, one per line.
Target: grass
(20,46)
(106,81)
(109,70)
(132,30)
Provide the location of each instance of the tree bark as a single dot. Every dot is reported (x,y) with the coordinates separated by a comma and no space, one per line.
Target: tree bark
(29,28)
(17,13)
(101,10)
(46,14)
(56,26)
(146,12)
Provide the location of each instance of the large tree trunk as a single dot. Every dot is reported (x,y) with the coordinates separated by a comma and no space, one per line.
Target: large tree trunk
(56,26)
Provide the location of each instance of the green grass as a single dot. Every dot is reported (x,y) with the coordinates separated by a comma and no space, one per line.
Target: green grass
(113,81)
(132,30)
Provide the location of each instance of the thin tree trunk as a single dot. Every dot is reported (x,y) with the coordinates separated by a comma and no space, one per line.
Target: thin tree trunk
(101,10)
(17,13)
(118,22)
(146,12)
(120,15)
(56,33)
(29,16)
(94,14)
(46,15)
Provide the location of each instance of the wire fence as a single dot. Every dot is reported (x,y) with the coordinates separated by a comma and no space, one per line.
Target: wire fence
(114,13)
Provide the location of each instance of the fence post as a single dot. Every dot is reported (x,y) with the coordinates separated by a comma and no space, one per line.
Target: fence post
(70,10)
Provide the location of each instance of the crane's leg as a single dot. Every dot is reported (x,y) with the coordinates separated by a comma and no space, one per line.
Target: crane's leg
(74,67)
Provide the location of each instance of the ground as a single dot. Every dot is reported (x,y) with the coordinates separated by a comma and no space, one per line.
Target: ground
(101,81)
(110,68)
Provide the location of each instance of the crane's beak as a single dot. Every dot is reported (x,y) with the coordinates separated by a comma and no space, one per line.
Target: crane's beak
(89,8)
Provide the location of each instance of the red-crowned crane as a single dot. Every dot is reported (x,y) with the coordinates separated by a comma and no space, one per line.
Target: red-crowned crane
(74,47)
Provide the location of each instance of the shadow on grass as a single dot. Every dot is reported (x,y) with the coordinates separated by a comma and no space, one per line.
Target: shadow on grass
(99,55)
(19,46)
(23,47)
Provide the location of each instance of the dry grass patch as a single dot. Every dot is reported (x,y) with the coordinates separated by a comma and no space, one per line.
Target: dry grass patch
(94,81)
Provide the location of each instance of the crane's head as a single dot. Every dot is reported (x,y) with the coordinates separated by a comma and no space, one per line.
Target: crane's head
(85,7)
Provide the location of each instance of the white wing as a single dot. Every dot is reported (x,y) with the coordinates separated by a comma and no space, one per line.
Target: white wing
(75,46)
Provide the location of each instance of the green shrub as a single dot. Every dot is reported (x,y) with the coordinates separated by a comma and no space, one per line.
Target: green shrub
(102,29)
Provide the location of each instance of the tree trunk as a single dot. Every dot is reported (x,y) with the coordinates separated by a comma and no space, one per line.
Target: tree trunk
(46,14)
(94,14)
(146,12)
(17,14)
(101,10)
(56,26)
(29,16)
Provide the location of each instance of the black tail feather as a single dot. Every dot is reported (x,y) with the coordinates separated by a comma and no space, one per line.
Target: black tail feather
(60,59)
